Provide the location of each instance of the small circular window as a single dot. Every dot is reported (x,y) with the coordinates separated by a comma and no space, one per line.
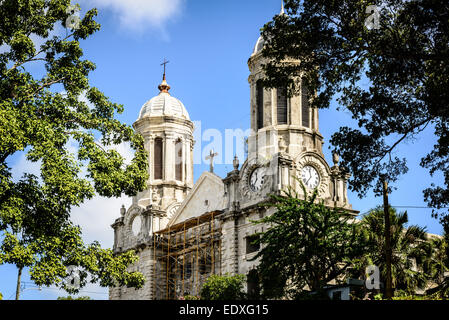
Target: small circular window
(136,225)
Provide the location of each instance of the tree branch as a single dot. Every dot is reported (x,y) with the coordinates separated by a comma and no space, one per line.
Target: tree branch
(410,130)
(48,84)
(33,58)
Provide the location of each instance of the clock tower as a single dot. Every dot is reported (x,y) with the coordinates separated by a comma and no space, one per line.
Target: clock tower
(279,122)
(285,147)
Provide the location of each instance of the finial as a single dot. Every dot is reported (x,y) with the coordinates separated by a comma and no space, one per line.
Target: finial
(123,210)
(164,87)
(335,159)
(236,163)
(282,8)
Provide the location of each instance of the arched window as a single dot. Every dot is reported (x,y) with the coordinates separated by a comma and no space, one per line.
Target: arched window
(282,105)
(305,107)
(178,160)
(158,159)
(259,103)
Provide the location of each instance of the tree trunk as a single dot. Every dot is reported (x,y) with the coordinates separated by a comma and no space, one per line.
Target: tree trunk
(388,285)
(19,276)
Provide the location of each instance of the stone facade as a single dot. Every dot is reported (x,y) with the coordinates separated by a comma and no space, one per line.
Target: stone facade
(184,232)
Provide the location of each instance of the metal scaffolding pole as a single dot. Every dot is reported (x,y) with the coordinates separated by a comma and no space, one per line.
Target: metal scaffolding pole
(189,251)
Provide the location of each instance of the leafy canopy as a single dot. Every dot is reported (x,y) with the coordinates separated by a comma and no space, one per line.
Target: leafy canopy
(306,246)
(50,258)
(436,266)
(410,249)
(392,79)
(225,287)
(47,107)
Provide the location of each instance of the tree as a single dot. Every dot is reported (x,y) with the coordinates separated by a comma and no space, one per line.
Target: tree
(223,288)
(436,266)
(409,250)
(66,262)
(402,56)
(45,114)
(306,246)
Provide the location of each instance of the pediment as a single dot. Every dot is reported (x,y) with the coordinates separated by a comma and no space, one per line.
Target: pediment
(207,195)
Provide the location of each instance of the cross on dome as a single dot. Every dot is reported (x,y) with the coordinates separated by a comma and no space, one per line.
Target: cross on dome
(164,87)
(164,64)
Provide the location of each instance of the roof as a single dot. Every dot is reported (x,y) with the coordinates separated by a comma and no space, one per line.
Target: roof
(164,105)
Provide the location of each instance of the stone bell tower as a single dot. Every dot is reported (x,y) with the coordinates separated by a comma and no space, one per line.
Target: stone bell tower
(279,122)
(285,147)
(168,132)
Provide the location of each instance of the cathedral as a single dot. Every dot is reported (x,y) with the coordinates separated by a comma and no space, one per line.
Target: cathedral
(182,231)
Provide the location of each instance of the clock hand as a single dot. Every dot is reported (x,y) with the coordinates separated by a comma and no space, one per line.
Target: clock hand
(307,175)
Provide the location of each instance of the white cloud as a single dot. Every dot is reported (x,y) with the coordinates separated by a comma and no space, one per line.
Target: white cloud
(23,166)
(137,15)
(96,216)
(57,31)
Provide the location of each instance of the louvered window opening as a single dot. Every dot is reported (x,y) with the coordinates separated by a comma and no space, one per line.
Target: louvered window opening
(282,106)
(158,159)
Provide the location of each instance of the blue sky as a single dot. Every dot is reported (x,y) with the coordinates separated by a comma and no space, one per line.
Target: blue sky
(208,44)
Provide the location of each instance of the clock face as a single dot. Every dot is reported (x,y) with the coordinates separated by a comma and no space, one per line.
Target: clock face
(256,179)
(310,177)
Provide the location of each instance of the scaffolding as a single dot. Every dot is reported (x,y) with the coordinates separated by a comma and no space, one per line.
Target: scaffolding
(185,255)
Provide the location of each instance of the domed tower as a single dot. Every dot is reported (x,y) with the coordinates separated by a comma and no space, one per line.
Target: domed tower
(279,122)
(165,125)
(167,130)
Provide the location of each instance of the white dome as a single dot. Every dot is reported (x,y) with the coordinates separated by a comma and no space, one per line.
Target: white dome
(164,105)
(259,45)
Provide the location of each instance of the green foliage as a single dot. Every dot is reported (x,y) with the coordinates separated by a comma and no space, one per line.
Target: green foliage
(404,295)
(436,265)
(306,246)
(190,297)
(72,298)
(44,115)
(392,79)
(417,261)
(1,296)
(48,259)
(409,246)
(223,288)
(417,298)
(378,296)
